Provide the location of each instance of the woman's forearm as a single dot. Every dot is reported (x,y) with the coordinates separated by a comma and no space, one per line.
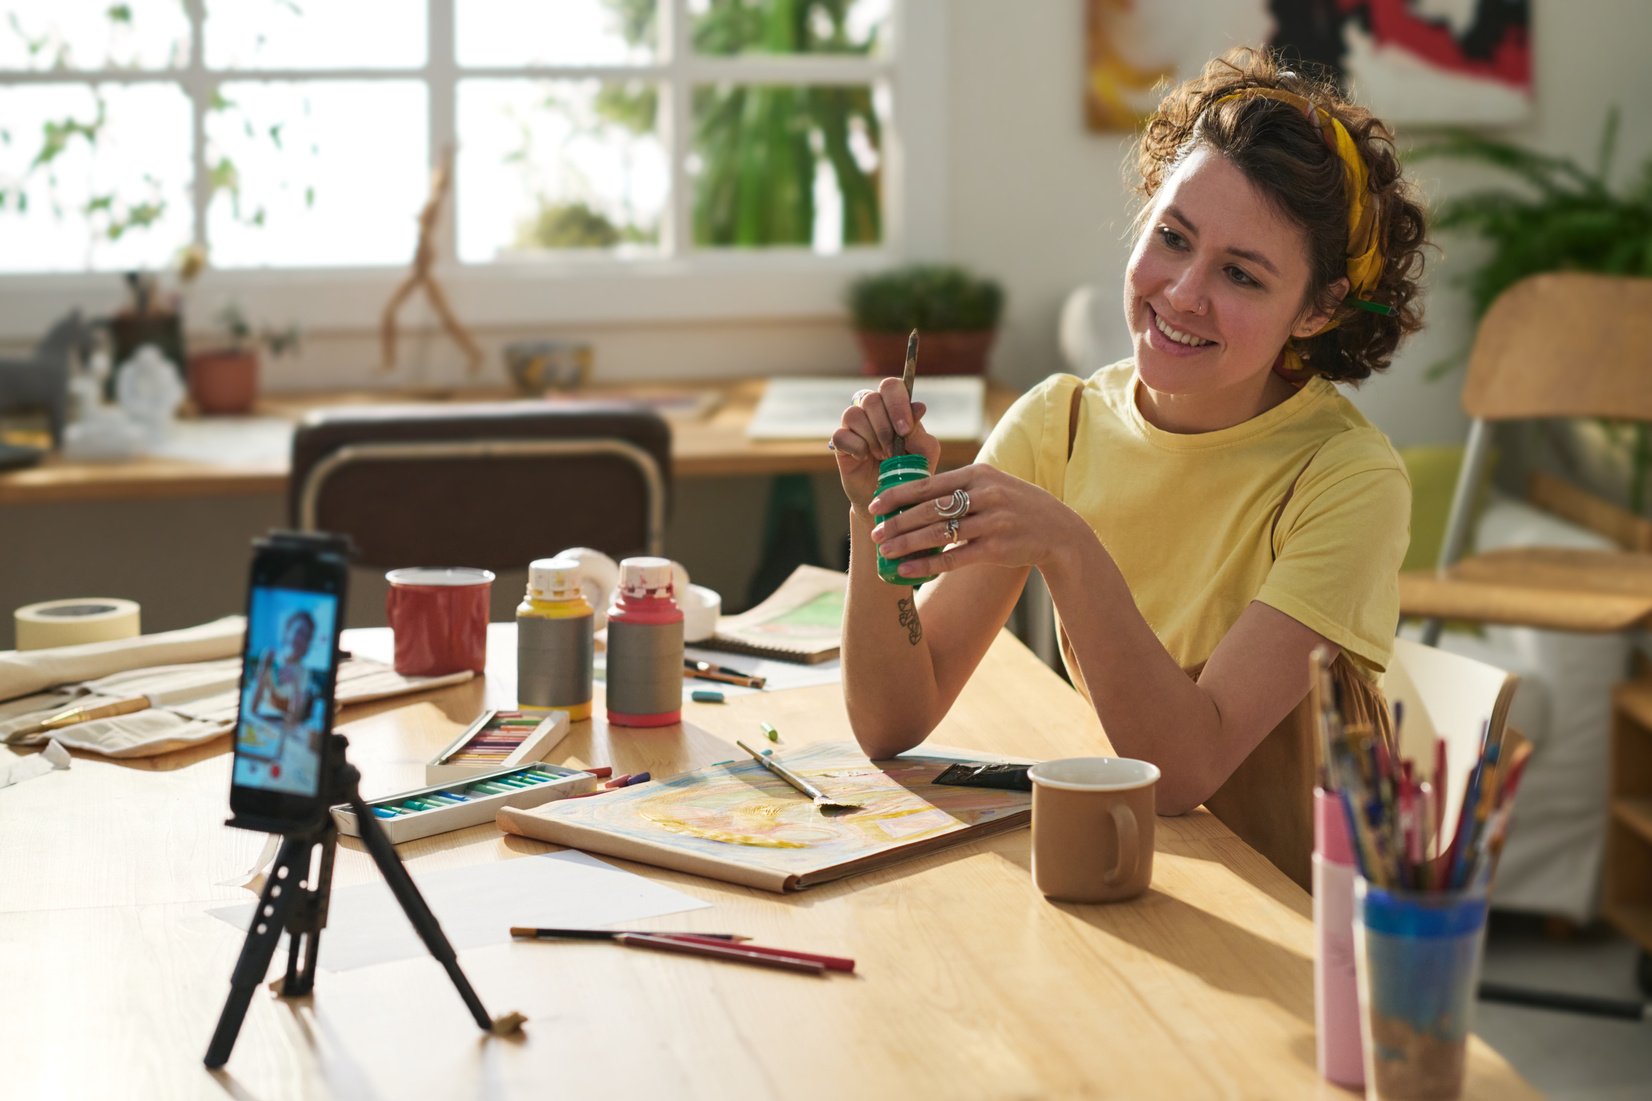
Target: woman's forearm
(1149,707)
(890,688)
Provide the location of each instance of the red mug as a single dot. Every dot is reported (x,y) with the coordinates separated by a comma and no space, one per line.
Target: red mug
(440,619)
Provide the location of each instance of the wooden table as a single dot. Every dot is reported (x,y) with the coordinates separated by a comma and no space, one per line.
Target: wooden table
(714,445)
(969,983)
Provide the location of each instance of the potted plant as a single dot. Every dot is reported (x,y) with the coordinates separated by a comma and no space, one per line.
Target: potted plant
(1564,217)
(224,379)
(955,312)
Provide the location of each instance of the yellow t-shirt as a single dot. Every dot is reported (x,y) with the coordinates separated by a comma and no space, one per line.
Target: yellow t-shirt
(1194,521)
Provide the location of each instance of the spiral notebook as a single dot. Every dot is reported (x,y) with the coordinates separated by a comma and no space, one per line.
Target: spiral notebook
(802,620)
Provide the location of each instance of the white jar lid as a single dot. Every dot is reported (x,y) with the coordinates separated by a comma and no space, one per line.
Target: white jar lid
(646,576)
(554,579)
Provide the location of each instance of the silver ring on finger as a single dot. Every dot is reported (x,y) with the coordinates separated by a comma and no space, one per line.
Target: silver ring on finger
(860,396)
(956,507)
(952,529)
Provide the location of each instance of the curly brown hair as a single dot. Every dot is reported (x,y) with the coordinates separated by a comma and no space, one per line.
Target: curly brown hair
(1286,157)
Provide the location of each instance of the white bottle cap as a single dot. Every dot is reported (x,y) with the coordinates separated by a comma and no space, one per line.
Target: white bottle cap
(553,579)
(645,577)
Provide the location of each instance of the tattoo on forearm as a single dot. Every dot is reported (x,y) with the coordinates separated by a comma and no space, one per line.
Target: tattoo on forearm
(909,620)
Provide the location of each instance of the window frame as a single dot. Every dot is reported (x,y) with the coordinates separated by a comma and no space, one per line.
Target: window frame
(677,285)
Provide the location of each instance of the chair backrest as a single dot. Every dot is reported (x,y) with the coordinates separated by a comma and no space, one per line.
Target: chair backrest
(1561,344)
(490,485)
(1564,344)
(1450,696)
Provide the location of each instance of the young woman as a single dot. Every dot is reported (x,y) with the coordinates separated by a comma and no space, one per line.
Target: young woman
(1205,513)
(283,690)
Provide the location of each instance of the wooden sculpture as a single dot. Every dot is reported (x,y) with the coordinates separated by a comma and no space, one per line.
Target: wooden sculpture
(440,183)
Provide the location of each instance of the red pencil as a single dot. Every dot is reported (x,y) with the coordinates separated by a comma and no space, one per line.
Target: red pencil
(719,951)
(1439,794)
(830,963)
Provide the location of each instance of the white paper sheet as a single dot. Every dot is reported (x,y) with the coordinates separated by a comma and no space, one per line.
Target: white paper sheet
(477,905)
(50,759)
(229,441)
(810,408)
(777,675)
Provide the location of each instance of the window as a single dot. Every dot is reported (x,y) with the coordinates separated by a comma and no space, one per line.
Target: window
(678,140)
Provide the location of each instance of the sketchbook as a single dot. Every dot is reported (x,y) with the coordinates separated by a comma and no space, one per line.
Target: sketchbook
(802,620)
(738,823)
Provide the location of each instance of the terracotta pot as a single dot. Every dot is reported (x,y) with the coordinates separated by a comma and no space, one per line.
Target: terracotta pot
(224,381)
(962,352)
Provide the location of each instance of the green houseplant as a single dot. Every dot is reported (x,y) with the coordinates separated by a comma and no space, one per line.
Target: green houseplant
(1560,216)
(955,311)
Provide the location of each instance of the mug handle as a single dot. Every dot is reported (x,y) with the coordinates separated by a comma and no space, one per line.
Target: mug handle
(1124,823)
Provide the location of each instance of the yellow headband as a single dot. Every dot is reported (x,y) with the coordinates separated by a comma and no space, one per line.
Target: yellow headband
(1364,253)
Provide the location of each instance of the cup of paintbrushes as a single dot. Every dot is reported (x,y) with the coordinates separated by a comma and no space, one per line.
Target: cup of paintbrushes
(1417,959)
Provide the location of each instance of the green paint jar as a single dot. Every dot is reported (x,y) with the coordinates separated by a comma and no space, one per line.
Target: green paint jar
(893,471)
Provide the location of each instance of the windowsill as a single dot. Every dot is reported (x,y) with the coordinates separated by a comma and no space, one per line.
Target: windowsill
(525,294)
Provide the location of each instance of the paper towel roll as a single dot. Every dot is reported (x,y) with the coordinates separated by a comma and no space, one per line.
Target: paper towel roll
(73,622)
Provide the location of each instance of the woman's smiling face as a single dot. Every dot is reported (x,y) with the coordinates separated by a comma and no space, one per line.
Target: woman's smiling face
(1217,282)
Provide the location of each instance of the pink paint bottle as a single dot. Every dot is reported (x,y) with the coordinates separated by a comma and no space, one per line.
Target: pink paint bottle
(645,647)
(1336,994)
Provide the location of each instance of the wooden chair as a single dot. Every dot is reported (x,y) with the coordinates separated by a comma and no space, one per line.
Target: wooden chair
(491,485)
(1556,345)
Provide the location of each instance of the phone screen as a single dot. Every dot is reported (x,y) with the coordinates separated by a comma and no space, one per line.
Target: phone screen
(285,690)
(288,669)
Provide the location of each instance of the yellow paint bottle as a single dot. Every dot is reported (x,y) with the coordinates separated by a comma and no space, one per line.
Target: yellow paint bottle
(554,648)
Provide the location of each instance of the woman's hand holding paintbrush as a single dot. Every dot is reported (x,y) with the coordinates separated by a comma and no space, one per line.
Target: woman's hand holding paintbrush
(883,421)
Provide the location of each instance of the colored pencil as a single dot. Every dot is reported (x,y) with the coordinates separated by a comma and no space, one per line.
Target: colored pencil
(1396,820)
(741,679)
(693,667)
(830,963)
(536,933)
(729,953)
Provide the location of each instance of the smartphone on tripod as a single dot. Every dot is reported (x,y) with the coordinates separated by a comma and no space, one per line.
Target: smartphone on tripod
(289,669)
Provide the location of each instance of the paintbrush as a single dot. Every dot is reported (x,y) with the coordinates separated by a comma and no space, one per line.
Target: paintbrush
(909,377)
(825,802)
(162,698)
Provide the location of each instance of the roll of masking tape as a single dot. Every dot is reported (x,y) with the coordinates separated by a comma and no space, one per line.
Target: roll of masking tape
(76,621)
(701,607)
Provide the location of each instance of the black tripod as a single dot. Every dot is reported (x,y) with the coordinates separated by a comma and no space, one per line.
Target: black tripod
(299,907)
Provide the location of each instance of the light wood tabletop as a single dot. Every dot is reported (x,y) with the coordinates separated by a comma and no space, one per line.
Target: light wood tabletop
(711,444)
(969,984)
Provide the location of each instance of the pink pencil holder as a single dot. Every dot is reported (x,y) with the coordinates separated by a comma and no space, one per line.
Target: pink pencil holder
(1336,987)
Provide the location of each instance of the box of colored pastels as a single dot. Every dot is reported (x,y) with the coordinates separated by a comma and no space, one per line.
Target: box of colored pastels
(468,802)
(499,739)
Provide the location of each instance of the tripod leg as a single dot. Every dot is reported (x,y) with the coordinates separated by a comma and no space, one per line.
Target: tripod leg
(269,919)
(306,924)
(413,903)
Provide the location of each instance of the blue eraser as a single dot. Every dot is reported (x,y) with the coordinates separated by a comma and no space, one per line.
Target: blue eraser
(706,695)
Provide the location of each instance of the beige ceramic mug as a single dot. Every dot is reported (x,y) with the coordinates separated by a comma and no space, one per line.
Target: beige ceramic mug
(1092,826)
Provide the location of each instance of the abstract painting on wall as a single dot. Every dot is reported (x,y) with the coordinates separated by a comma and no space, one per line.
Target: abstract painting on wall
(1410,61)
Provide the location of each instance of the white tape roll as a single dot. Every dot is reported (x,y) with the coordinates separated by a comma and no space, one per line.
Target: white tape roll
(701,607)
(598,574)
(74,622)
